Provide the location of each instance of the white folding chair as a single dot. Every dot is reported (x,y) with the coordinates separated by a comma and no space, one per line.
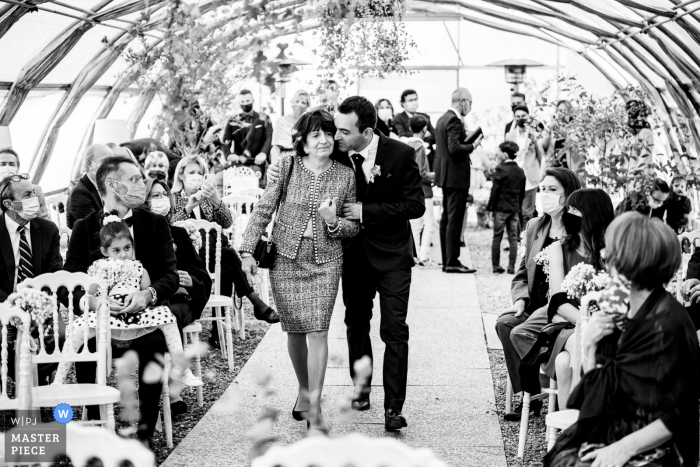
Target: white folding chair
(239,178)
(694,240)
(86,443)
(75,394)
(355,449)
(216,300)
(23,396)
(52,204)
(551,393)
(67,232)
(255,192)
(237,204)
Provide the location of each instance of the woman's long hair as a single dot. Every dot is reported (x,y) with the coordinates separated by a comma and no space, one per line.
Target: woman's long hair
(569,180)
(597,210)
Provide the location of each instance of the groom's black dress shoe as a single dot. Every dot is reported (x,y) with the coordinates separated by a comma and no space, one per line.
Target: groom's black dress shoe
(178,408)
(459,270)
(360,405)
(393,420)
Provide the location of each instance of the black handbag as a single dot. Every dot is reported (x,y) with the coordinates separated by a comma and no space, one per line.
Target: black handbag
(266,250)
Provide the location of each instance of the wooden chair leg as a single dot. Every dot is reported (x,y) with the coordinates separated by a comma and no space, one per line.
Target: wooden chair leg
(229,338)
(198,368)
(551,438)
(509,394)
(524,420)
(220,328)
(167,416)
(552,404)
(241,324)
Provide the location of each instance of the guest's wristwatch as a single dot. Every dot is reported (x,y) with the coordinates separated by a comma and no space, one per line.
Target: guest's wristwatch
(153,294)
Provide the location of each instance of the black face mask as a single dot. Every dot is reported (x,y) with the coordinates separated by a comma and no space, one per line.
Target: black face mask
(157,174)
(247,108)
(572,223)
(521,122)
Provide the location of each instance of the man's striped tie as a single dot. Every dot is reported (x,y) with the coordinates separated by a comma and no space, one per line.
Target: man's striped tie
(26,269)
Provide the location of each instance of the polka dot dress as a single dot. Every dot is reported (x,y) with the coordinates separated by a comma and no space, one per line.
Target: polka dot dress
(133,325)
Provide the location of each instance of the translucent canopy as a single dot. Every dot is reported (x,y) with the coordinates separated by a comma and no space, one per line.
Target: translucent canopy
(57,74)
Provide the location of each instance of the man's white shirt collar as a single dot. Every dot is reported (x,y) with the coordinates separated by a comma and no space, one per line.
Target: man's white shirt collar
(370,150)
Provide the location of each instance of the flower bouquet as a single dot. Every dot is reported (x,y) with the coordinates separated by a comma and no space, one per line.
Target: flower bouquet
(194,234)
(614,301)
(38,304)
(583,279)
(542,259)
(114,271)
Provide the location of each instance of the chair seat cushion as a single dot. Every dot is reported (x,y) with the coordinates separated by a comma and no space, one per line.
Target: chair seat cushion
(74,394)
(219,300)
(193,327)
(562,419)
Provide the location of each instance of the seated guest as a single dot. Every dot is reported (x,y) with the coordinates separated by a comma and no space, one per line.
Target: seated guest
(9,165)
(121,186)
(638,398)
(156,166)
(507,194)
(140,148)
(196,198)
(30,246)
(651,203)
(83,198)
(530,286)
(588,213)
(678,205)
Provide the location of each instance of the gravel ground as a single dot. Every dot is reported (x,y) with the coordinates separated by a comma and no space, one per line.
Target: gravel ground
(215,374)
(494,296)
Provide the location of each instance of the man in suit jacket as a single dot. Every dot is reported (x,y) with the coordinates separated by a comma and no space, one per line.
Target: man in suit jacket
(140,148)
(516,99)
(250,133)
(30,246)
(452,172)
(380,257)
(409,102)
(84,198)
(120,185)
(9,165)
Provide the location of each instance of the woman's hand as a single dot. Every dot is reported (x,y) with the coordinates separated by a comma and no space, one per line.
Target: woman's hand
(518,308)
(328,210)
(250,268)
(273,172)
(185,279)
(691,290)
(208,191)
(615,455)
(114,305)
(599,326)
(193,201)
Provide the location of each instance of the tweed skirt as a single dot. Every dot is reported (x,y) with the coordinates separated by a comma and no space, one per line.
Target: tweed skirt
(305,292)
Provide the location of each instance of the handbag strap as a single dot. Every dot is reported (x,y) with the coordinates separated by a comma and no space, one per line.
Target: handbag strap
(283,197)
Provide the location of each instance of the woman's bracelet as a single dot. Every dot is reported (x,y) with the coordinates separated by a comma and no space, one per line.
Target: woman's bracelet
(332,228)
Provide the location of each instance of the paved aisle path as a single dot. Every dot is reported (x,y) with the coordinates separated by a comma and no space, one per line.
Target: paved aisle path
(450,405)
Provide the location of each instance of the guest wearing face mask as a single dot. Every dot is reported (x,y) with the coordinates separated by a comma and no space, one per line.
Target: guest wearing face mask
(526,136)
(9,165)
(282,130)
(516,99)
(156,166)
(196,198)
(651,202)
(518,325)
(401,121)
(385,114)
(84,198)
(249,133)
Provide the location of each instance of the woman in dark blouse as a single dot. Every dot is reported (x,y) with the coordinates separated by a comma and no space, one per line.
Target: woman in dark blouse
(385,115)
(639,395)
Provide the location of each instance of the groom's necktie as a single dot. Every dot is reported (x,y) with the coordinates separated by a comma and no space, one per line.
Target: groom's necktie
(359,176)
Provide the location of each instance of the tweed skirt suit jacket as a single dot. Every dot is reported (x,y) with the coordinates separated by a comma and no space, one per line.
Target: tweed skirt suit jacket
(307,271)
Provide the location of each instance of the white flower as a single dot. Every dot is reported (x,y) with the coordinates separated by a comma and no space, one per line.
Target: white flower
(523,239)
(583,279)
(542,258)
(194,234)
(114,271)
(111,218)
(38,304)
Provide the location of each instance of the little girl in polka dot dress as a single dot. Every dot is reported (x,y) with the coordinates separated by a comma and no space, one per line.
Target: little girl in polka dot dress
(117,245)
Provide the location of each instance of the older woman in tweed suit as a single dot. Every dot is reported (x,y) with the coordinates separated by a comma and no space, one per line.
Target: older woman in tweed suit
(308,198)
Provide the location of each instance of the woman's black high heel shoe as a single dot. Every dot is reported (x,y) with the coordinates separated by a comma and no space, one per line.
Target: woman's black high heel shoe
(298,415)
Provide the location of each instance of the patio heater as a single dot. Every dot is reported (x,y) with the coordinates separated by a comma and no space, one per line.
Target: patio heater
(287,66)
(515,71)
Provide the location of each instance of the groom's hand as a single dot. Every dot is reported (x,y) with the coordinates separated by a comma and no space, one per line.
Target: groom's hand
(136,302)
(352,211)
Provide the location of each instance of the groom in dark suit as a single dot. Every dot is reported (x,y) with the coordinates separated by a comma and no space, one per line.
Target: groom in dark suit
(121,187)
(380,257)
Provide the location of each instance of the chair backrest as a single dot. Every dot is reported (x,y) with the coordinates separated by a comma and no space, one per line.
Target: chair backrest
(238,178)
(581,322)
(87,442)
(22,399)
(71,280)
(208,227)
(52,203)
(355,449)
(236,203)
(255,192)
(694,239)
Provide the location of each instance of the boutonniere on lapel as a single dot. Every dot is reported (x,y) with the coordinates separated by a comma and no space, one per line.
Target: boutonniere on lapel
(375,172)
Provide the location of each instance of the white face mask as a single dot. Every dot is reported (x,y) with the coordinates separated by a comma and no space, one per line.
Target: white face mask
(160,206)
(193,182)
(550,203)
(7,170)
(384,114)
(30,208)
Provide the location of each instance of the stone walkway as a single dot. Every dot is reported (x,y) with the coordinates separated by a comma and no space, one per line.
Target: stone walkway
(450,404)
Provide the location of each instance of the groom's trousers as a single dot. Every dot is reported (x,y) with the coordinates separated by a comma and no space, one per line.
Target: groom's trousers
(361,282)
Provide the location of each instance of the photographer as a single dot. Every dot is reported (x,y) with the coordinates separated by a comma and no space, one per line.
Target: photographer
(526,133)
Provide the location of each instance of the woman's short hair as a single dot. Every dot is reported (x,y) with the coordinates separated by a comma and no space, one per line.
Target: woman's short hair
(645,251)
(180,169)
(153,157)
(150,183)
(313,120)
